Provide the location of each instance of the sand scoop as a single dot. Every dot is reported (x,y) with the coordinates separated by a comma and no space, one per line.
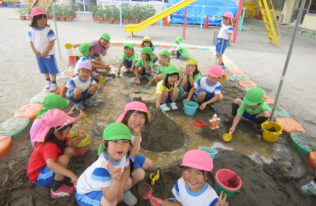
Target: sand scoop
(146,192)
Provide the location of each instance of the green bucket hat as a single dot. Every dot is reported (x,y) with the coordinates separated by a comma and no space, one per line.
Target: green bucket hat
(129,45)
(147,50)
(85,49)
(115,131)
(254,96)
(53,101)
(106,36)
(165,53)
(171,70)
(179,40)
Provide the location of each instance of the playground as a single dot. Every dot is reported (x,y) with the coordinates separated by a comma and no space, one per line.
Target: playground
(272,173)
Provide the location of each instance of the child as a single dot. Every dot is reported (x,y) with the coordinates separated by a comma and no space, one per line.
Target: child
(147,42)
(42,40)
(136,116)
(191,76)
(167,90)
(129,58)
(181,51)
(208,89)
(224,35)
(164,62)
(252,107)
(82,87)
(192,188)
(106,180)
(310,188)
(144,64)
(49,160)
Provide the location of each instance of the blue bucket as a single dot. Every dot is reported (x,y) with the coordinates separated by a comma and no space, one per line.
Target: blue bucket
(190,108)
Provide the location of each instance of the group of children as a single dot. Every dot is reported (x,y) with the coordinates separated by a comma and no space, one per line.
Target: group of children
(119,166)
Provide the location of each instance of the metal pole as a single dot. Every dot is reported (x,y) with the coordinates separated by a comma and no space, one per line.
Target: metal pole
(54,17)
(237,21)
(201,24)
(185,23)
(121,13)
(299,17)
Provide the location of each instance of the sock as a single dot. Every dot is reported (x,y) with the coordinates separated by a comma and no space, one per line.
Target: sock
(234,109)
(56,184)
(48,79)
(54,82)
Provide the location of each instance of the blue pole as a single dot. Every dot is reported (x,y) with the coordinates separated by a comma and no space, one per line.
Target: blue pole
(201,24)
(121,14)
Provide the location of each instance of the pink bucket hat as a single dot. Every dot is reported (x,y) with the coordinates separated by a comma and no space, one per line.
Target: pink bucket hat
(216,71)
(135,105)
(37,11)
(52,118)
(198,159)
(230,16)
(85,65)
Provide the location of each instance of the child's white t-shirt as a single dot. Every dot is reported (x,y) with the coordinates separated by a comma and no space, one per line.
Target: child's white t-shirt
(76,82)
(82,59)
(205,197)
(225,31)
(97,176)
(202,83)
(41,38)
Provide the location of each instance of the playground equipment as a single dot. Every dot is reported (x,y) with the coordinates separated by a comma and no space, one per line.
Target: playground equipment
(137,27)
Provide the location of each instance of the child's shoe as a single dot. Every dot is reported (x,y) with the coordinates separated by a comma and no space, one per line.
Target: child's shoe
(164,107)
(53,87)
(89,102)
(173,106)
(79,105)
(129,198)
(309,189)
(47,85)
(63,191)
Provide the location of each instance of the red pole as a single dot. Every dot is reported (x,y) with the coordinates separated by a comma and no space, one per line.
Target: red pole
(185,23)
(237,20)
(206,22)
(165,21)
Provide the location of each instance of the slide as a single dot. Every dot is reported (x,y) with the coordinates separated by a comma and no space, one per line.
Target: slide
(137,27)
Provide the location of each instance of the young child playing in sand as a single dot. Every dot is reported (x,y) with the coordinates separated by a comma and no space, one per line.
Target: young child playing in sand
(147,42)
(144,64)
(192,188)
(167,90)
(192,74)
(129,58)
(49,160)
(82,87)
(181,51)
(225,34)
(136,116)
(164,63)
(42,39)
(252,107)
(208,89)
(105,181)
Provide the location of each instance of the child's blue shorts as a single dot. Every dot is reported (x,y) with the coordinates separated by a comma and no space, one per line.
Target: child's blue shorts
(93,57)
(252,117)
(208,95)
(84,95)
(144,72)
(89,199)
(45,177)
(139,161)
(221,45)
(128,64)
(47,65)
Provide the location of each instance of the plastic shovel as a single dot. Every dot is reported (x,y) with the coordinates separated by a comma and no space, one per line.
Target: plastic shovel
(146,192)
(227,137)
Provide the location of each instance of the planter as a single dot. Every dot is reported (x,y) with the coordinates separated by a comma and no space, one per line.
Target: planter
(22,17)
(111,21)
(100,20)
(29,17)
(57,18)
(116,21)
(125,21)
(62,18)
(69,18)
(95,18)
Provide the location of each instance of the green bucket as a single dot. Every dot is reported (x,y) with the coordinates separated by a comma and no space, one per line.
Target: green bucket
(227,181)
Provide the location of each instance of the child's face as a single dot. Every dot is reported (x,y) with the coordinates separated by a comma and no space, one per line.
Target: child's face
(172,79)
(62,135)
(194,178)
(117,149)
(41,22)
(163,60)
(136,120)
(104,42)
(226,21)
(190,68)
(128,51)
(212,80)
(84,73)
(147,43)
(144,56)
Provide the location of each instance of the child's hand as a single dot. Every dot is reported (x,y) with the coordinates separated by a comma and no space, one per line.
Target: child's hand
(37,53)
(45,54)
(82,133)
(203,106)
(177,83)
(137,131)
(82,115)
(222,200)
(74,179)
(115,172)
(186,100)
(232,130)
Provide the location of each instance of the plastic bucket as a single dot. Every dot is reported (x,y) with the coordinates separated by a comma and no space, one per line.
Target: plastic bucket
(190,108)
(210,151)
(227,181)
(271,131)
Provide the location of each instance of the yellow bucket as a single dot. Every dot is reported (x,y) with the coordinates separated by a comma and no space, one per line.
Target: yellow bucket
(86,141)
(68,46)
(271,131)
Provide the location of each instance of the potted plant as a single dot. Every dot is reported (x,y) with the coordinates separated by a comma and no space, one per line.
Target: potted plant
(110,14)
(24,12)
(125,13)
(68,13)
(94,10)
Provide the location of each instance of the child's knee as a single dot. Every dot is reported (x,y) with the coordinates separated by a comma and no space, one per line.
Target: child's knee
(147,164)
(201,96)
(138,175)
(237,101)
(70,151)
(220,98)
(129,184)
(77,93)
(92,90)
(265,114)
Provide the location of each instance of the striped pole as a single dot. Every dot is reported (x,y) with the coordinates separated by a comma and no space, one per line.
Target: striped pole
(185,23)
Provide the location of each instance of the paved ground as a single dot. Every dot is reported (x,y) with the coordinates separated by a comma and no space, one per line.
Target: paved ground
(261,61)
